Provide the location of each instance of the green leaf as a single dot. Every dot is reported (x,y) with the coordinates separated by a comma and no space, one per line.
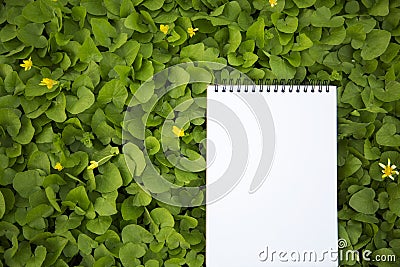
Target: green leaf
(136,234)
(380,8)
(354,230)
(322,17)
(386,135)
(79,196)
(153,4)
(51,196)
(2,205)
(394,206)
(83,101)
(89,52)
(31,35)
(134,158)
(141,198)
(112,6)
(38,258)
(129,252)
(10,121)
(375,44)
(28,182)
(100,127)
(162,217)
(39,161)
(99,225)
(152,263)
(113,91)
(194,163)
(146,71)
(335,36)
(390,93)
(185,177)
(38,212)
(26,132)
(280,68)
(79,14)
(103,31)
(130,212)
(352,165)
(93,7)
(352,95)
(174,262)
(194,260)
(363,201)
(287,25)
(152,145)
(109,180)
(8,32)
(256,32)
(235,38)
(194,51)
(303,43)
(304,3)
(56,112)
(13,83)
(106,205)
(249,59)
(86,244)
(134,22)
(371,153)
(38,11)
(390,53)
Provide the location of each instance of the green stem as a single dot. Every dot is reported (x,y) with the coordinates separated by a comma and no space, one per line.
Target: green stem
(104,159)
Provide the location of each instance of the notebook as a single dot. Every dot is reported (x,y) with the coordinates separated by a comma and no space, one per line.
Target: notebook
(271,176)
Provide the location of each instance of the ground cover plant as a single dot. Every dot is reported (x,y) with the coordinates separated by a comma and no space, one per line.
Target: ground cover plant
(69,69)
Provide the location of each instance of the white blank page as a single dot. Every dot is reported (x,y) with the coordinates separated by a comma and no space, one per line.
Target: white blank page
(293,214)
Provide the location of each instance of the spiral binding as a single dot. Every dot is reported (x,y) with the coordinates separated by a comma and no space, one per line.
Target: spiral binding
(268,85)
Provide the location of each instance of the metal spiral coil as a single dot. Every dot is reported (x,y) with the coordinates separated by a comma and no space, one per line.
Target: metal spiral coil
(274,85)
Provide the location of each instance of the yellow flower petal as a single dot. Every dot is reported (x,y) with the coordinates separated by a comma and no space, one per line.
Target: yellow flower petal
(27,64)
(58,166)
(48,82)
(164,28)
(178,132)
(192,31)
(388,170)
(93,165)
(273,2)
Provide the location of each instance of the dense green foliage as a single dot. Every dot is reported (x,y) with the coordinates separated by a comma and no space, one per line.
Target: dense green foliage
(55,211)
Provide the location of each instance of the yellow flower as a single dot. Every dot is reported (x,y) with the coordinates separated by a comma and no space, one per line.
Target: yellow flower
(93,165)
(27,64)
(178,132)
(273,2)
(164,28)
(388,170)
(48,82)
(58,166)
(192,31)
